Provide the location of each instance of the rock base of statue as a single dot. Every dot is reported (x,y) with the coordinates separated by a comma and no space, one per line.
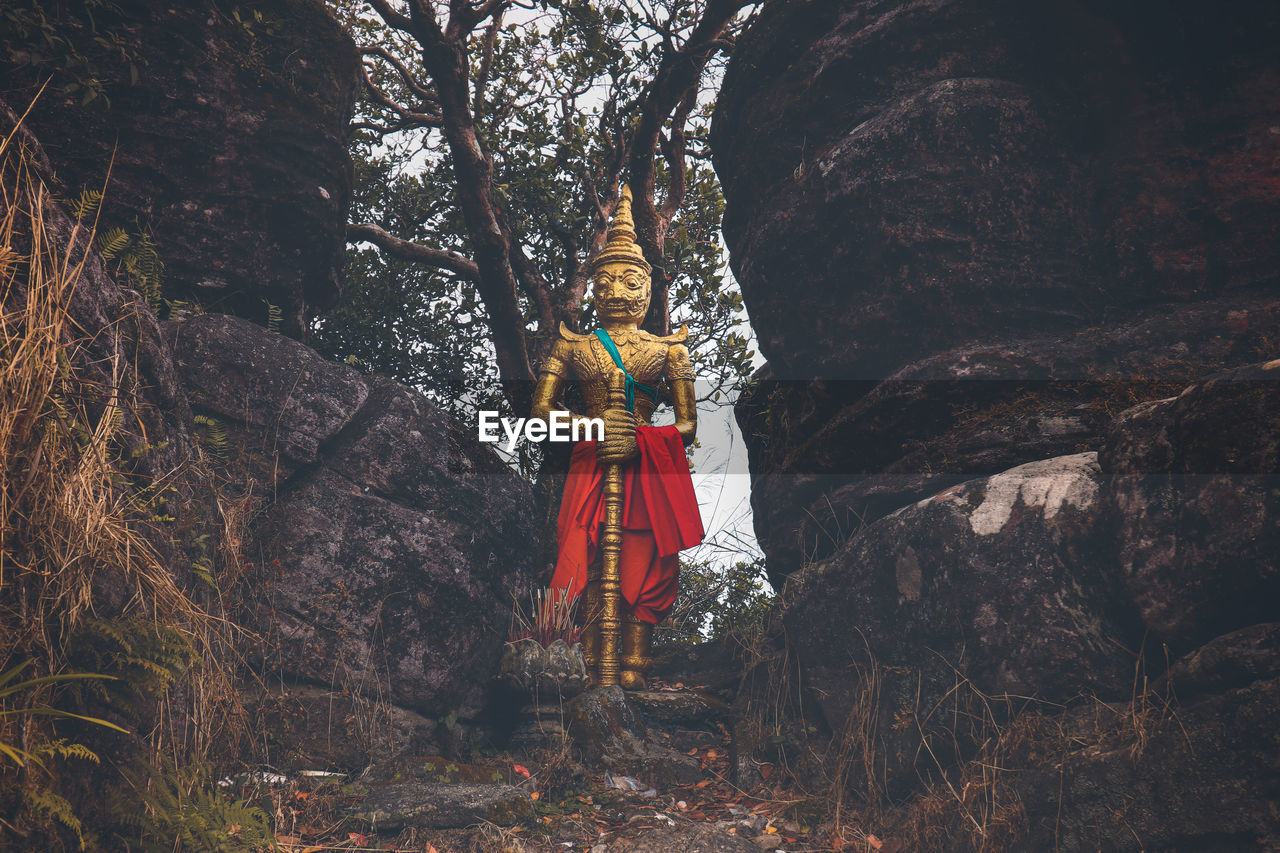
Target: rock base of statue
(548,675)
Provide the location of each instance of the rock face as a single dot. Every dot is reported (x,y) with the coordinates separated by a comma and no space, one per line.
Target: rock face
(224,134)
(995,584)
(960,170)
(829,456)
(392,807)
(394,541)
(1197,492)
(369,540)
(1111,794)
(964,190)
(1014,455)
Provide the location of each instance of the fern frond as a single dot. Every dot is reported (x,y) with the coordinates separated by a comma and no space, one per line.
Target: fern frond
(113,241)
(215,434)
(86,205)
(56,808)
(61,748)
(275,315)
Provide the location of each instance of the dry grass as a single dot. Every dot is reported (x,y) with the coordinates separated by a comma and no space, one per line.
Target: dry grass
(63,516)
(74,522)
(856,752)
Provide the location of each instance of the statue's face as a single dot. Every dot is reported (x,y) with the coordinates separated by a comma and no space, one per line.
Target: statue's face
(621,292)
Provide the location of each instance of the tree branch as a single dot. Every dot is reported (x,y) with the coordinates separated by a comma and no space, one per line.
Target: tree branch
(674,150)
(408,117)
(391,17)
(406,77)
(679,70)
(407,250)
(486,65)
(444,55)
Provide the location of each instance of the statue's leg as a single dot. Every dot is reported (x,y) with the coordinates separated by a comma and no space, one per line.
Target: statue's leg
(646,587)
(637,637)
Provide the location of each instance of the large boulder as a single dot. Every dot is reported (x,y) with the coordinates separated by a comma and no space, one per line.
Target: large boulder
(387,559)
(1021,218)
(1196,491)
(993,589)
(906,178)
(970,235)
(1154,775)
(223,131)
(830,456)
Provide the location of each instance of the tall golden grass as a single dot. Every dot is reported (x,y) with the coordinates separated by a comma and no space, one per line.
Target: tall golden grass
(66,514)
(71,520)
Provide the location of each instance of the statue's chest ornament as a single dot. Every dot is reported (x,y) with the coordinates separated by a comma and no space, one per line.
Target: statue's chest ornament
(643,359)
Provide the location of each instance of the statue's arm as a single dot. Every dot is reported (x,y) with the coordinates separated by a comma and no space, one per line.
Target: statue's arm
(680,380)
(552,376)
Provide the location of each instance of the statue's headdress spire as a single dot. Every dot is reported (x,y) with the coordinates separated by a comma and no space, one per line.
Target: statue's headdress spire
(622,237)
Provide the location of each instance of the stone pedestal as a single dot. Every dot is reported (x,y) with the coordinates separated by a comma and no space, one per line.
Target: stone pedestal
(550,675)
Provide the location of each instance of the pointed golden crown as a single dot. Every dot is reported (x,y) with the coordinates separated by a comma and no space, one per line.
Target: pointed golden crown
(622,237)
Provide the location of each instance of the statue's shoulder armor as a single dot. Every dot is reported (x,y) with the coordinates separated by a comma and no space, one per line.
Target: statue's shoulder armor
(567,334)
(679,336)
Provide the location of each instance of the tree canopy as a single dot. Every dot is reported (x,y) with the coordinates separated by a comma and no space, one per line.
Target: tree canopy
(490,145)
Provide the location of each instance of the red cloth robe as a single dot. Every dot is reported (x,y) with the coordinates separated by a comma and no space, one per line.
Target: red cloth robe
(660,518)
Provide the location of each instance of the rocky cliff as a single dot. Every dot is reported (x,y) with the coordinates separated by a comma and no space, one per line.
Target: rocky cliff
(1058,211)
(209,126)
(1013,267)
(367,545)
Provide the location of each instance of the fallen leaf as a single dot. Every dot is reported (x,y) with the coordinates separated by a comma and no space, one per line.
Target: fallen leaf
(837,843)
(704,783)
(521,769)
(534,795)
(875,843)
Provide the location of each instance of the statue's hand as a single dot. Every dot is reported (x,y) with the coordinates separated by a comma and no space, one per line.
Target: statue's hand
(619,443)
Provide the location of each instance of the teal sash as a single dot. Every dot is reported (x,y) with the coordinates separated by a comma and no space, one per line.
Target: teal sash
(632,384)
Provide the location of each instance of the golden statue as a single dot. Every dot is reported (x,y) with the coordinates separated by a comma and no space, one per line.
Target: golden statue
(629,498)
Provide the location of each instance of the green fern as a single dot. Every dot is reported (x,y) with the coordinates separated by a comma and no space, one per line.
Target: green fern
(182,310)
(86,206)
(203,570)
(62,748)
(113,242)
(146,658)
(185,810)
(274,316)
(149,500)
(46,804)
(137,260)
(215,434)
(10,686)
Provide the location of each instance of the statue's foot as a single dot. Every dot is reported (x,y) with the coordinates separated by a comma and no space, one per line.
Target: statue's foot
(636,638)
